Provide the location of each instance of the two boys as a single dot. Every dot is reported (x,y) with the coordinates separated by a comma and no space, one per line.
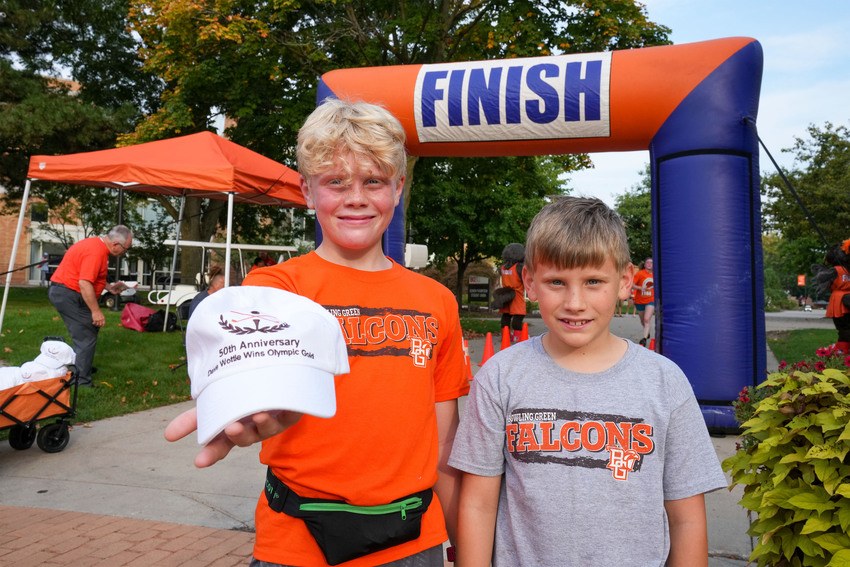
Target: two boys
(584,426)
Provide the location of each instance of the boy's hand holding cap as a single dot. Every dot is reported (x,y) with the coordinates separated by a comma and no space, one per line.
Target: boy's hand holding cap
(252,349)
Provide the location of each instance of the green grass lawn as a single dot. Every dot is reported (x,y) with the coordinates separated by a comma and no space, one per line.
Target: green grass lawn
(478,326)
(799,344)
(134,369)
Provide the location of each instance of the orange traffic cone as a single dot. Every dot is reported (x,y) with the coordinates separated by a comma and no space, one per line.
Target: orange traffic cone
(652,344)
(524,335)
(488,349)
(506,338)
(467,362)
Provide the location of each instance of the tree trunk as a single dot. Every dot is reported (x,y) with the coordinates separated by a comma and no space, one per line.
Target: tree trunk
(462,264)
(200,223)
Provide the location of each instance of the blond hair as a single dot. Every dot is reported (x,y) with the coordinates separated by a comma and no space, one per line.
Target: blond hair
(366,130)
(576,232)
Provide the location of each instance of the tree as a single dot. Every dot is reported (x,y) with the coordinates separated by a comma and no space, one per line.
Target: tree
(149,241)
(217,59)
(780,279)
(467,210)
(635,208)
(90,42)
(39,116)
(821,176)
(85,39)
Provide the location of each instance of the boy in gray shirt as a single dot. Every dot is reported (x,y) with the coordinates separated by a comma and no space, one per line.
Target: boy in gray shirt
(579,447)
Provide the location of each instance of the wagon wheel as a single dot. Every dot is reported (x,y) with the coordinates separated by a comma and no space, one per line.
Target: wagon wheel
(21,436)
(54,437)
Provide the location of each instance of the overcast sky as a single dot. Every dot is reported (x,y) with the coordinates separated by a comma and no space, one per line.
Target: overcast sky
(806,74)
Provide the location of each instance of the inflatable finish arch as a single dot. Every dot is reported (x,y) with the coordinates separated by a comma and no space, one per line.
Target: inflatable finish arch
(692,106)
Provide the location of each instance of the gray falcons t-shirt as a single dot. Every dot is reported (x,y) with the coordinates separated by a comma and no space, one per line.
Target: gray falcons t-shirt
(588,459)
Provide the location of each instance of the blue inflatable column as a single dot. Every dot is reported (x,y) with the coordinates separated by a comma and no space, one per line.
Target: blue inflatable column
(707,237)
(393,240)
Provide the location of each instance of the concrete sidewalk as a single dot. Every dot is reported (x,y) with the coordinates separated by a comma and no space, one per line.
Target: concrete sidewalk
(120,495)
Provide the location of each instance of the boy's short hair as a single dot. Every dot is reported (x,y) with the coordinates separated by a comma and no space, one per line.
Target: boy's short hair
(366,130)
(575,232)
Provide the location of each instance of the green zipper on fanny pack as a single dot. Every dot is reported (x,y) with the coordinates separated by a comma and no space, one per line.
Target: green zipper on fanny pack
(402,506)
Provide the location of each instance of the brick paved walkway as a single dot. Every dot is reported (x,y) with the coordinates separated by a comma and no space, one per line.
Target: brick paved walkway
(36,537)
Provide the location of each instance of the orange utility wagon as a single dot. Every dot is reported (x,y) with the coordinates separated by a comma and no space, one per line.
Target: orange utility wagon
(25,406)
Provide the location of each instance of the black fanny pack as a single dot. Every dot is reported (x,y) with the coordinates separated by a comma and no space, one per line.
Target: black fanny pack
(344,531)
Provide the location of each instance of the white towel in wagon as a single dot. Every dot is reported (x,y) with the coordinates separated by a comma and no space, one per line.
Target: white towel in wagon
(51,363)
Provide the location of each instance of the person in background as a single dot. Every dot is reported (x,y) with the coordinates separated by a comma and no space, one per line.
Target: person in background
(76,286)
(578,447)
(397,408)
(835,280)
(258,263)
(216,279)
(622,308)
(513,256)
(264,259)
(44,269)
(644,289)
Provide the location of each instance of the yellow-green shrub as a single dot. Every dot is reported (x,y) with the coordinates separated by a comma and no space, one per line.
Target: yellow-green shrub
(795,469)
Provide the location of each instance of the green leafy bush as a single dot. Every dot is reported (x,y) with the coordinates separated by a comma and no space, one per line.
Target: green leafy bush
(793,463)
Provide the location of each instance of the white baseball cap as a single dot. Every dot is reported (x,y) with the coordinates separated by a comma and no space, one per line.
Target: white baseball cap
(251,349)
(55,354)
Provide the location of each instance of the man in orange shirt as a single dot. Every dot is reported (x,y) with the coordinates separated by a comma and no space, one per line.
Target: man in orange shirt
(76,286)
(397,408)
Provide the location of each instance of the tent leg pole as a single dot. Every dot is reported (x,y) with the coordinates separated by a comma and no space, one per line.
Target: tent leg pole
(174,261)
(14,250)
(227,248)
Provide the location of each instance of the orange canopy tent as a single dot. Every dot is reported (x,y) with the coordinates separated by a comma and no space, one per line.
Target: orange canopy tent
(201,165)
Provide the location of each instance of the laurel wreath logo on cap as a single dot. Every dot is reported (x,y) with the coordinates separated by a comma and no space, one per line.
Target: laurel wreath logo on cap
(256,317)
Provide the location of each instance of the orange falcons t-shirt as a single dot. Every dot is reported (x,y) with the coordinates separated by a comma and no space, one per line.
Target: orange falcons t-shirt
(646,293)
(405,352)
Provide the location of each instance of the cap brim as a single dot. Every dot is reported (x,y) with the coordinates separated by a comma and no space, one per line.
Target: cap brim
(296,388)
